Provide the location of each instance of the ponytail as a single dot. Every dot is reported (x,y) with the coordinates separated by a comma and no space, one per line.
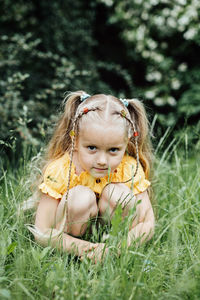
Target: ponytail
(139,118)
(61,141)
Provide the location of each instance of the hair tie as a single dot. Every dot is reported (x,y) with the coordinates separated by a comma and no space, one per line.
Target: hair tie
(84,97)
(124,101)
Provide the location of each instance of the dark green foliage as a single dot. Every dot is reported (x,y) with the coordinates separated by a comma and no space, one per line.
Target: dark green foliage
(46,50)
(162,44)
(146,49)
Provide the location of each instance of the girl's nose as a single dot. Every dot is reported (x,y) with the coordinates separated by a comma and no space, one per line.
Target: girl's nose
(102,159)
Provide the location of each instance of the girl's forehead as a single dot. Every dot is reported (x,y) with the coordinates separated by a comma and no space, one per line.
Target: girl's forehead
(96,119)
(105,132)
(103,125)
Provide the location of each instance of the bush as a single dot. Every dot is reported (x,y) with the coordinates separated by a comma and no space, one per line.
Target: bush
(162,41)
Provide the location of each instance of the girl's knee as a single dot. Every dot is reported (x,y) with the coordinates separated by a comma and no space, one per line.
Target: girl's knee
(115,192)
(112,195)
(82,200)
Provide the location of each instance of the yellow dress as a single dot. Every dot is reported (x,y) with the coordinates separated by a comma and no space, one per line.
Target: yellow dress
(55,178)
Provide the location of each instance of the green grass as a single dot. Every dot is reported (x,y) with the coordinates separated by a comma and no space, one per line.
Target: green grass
(168,267)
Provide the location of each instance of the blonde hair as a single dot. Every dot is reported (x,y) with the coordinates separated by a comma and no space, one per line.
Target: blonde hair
(98,106)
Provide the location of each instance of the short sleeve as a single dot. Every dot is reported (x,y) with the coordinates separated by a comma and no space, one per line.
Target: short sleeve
(55,178)
(140,183)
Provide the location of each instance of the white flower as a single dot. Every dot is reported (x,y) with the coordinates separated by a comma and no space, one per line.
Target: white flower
(157,57)
(166,12)
(171,101)
(152,44)
(145,54)
(154,2)
(150,94)
(159,20)
(188,35)
(107,2)
(144,16)
(157,76)
(182,2)
(182,67)
(141,32)
(184,20)
(129,35)
(159,101)
(171,22)
(176,11)
(196,3)
(149,77)
(192,12)
(175,84)
(154,76)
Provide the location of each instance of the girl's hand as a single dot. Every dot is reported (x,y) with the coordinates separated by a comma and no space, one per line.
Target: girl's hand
(96,252)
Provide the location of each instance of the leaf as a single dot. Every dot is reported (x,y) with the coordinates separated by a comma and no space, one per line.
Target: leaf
(45,252)
(11,247)
(116,220)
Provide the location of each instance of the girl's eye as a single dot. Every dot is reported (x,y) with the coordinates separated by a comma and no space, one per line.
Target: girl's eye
(92,148)
(114,150)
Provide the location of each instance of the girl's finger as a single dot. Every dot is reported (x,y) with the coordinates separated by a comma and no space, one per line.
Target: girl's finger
(89,248)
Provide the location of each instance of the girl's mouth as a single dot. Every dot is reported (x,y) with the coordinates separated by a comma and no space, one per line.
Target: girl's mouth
(101,169)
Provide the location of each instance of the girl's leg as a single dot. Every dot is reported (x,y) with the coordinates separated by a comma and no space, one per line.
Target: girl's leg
(112,195)
(82,207)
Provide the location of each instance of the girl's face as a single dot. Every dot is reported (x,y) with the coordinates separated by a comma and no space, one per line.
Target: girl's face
(100,147)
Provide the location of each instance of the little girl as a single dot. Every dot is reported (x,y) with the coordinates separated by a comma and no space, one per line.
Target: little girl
(98,157)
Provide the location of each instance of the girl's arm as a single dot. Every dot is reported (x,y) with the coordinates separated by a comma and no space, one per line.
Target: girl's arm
(45,222)
(143,224)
